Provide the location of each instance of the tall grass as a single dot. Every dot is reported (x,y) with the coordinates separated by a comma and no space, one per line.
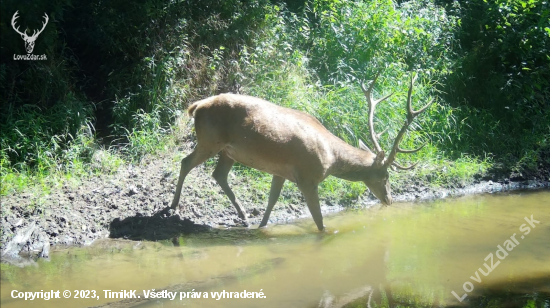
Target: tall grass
(134,71)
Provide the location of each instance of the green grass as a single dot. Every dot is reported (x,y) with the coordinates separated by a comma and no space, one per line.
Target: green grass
(43,181)
(312,61)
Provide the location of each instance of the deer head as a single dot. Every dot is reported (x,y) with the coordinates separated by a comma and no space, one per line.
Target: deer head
(378,179)
(29,40)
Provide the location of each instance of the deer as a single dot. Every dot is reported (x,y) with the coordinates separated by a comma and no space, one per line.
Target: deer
(291,145)
(29,40)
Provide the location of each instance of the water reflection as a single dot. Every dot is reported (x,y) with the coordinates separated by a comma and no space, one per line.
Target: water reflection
(407,255)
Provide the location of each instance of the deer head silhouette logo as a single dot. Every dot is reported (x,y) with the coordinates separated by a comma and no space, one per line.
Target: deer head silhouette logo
(29,40)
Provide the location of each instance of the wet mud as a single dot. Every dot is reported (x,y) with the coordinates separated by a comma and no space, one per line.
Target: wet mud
(134,203)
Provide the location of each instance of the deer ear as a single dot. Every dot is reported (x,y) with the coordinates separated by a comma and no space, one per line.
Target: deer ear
(379,159)
(363,146)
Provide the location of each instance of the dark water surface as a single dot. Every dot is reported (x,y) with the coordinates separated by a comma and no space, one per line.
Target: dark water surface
(406,255)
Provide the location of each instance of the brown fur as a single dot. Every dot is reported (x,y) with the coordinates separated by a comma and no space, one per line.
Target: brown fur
(287,143)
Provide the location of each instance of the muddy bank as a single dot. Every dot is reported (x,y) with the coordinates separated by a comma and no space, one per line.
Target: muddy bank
(133,204)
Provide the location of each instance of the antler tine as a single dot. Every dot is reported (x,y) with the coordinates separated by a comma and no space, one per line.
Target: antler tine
(400,150)
(419,111)
(45,22)
(381,133)
(43,25)
(409,97)
(372,105)
(13,23)
(371,86)
(398,166)
(411,114)
(368,92)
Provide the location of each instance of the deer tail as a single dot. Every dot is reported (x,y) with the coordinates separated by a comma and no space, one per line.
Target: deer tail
(191,109)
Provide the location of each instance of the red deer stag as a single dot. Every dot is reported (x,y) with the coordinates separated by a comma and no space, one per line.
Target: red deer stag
(289,144)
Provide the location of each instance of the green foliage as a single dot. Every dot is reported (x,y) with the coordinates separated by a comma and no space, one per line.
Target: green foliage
(503,63)
(131,59)
(354,39)
(46,123)
(119,73)
(147,136)
(501,80)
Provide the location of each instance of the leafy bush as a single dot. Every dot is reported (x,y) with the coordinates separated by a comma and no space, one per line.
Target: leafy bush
(119,73)
(352,40)
(501,80)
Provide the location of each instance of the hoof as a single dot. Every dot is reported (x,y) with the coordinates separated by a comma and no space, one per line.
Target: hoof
(172,212)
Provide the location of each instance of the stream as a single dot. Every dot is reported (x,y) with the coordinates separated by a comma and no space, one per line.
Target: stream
(489,250)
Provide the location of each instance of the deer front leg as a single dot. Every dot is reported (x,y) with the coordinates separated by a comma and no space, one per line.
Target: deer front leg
(225,163)
(192,160)
(276,186)
(311,194)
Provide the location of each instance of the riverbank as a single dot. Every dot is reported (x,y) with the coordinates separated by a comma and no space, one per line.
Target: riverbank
(133,204)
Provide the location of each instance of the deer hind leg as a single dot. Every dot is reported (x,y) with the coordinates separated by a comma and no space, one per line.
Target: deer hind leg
(220,175)
(198,156)
(276,186)
(311,194)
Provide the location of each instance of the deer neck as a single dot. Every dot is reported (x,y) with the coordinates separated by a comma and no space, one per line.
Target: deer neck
(351,163)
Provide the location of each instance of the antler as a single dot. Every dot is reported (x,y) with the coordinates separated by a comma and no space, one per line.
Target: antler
(411,114)
(13,24)
(372,105)
(43,26)
(34,34)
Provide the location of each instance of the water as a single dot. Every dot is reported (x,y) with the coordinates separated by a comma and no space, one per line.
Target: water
(407,254)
